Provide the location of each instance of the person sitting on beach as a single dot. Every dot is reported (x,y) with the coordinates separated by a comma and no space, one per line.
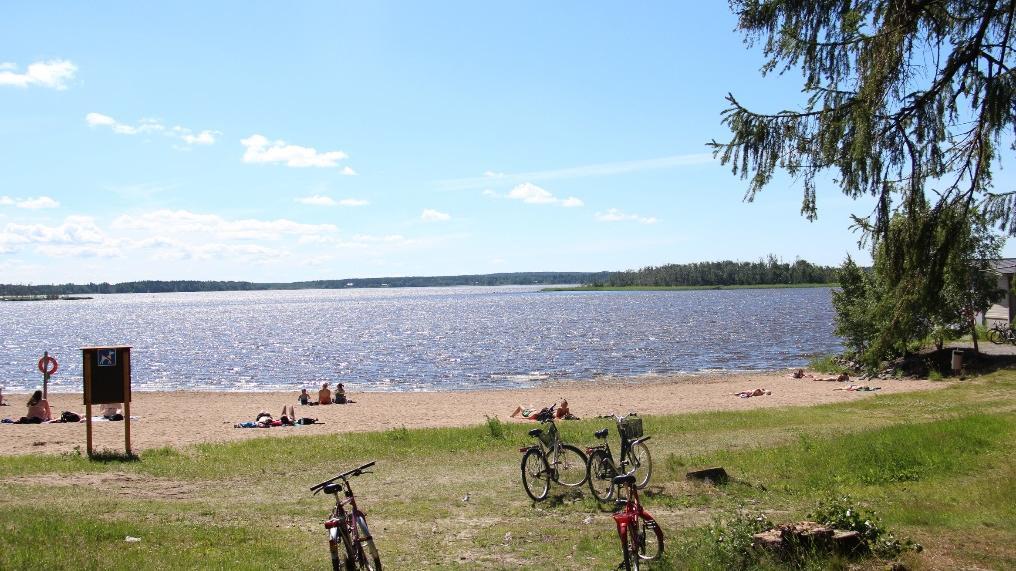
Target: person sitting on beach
(324,396)
(799,374)
(111,411)
(304,398)
(755,393)
(563,413)
(38,410)
(2,401)
(340,394)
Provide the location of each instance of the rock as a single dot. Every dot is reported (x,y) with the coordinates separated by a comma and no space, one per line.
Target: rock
(714,475)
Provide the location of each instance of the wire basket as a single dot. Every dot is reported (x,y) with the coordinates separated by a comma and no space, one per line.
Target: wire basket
(631,427)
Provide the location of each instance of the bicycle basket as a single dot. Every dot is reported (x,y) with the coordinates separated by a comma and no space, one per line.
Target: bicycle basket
(631,427)
(549,435)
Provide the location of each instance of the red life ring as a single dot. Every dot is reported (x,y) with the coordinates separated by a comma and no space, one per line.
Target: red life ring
(44,365)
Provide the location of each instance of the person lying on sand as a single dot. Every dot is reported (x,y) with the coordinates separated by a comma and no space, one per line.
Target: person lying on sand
(111,411)
(287,418)
(755,393)
(561,413)
(799,374)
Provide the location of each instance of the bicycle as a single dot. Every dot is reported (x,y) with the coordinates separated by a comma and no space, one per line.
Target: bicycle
(641,537)
(550,459)
(1002,333)
(349,539)
(635,458)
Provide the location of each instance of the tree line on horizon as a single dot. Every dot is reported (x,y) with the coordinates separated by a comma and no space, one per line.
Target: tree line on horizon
(170,286)
(769,271)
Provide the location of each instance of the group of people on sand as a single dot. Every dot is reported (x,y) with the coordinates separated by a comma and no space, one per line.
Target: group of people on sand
(39,412)
(288,417)
(324,396)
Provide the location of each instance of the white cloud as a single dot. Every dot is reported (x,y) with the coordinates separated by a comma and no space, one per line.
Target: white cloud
(348,171)
(205,137)
(531,194)
(75,231)
(322,200)
(176,222)
(29,203)
(317,200)
(261,150)
(615,215)
(602,169)
(431,215)
(53,74)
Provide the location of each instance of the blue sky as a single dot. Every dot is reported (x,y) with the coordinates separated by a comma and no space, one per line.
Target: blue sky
(274,142)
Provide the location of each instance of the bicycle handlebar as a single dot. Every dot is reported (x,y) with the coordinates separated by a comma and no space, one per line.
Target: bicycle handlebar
(354,472)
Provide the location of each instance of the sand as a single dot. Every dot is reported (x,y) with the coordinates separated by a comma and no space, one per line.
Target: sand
(179,419)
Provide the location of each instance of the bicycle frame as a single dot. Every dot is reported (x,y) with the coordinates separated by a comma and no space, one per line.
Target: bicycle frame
(343,524)
(551,452)
(627,518)
(626,446)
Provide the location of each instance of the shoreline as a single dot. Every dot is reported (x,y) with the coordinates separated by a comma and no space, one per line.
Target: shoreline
(182,418)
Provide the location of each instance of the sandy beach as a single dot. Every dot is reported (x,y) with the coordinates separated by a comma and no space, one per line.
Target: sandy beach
(179,419)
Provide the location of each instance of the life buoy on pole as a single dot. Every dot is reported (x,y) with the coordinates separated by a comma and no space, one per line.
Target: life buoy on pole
(48,365)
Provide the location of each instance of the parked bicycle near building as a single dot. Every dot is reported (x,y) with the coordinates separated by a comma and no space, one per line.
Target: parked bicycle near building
(641,537)
(550,460)
(349,540)
(634,458)
(1002,333)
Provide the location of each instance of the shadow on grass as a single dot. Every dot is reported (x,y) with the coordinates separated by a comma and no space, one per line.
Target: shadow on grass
(113,456)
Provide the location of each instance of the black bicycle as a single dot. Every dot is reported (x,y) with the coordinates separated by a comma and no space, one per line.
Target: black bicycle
(349,540)
(550,460)
(1002,333)
(635,458)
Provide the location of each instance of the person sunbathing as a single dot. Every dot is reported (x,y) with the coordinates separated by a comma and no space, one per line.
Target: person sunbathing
(799,374)
(38,410)
(755,393)
(530,413)
(841,378)
(324,396)
(111,411)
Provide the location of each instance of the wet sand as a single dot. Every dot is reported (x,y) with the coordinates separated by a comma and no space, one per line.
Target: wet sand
(179,419)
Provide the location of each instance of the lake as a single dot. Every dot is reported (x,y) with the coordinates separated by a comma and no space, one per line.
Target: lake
(413,339)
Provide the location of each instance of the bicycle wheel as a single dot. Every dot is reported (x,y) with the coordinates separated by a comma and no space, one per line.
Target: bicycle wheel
(535,474)
(640,463)
(631,550)
(601,472)
(370,559)
(571,466)
(341,549)
(650,538)
(995,336)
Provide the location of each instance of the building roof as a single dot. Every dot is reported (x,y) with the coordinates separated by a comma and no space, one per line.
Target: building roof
(1004,265)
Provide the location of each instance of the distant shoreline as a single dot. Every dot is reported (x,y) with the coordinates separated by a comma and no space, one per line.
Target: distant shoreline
(690,287)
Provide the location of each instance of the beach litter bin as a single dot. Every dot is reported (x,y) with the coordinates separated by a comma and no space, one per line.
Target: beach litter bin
(957,361)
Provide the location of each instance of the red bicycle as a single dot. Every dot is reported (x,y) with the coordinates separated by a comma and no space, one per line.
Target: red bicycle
(641,537)
(349,539)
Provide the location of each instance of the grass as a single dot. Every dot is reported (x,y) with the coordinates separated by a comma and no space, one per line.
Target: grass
(937,466)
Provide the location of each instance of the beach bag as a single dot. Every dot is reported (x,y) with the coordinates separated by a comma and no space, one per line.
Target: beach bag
(68,416)
(306,420)
(549,435)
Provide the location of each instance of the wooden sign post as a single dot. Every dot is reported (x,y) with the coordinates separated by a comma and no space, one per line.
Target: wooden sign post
(107,379)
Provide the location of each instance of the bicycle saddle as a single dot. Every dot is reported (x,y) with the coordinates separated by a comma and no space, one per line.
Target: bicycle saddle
(601,433)
(535,432)
(333,488)
(624,479)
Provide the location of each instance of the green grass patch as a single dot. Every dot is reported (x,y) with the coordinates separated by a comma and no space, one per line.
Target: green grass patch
(937,466)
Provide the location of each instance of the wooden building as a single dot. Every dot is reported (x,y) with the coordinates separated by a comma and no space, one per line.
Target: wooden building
(1004,310)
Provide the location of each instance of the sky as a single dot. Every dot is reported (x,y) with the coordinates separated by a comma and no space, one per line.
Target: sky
(282,142)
